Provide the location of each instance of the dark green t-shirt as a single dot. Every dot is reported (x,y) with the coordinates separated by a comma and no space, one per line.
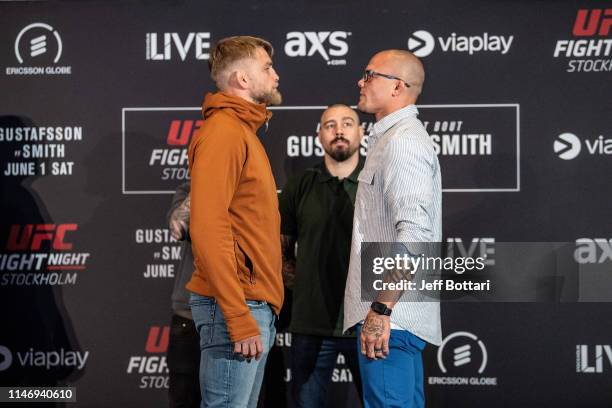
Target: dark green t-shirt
(317,209)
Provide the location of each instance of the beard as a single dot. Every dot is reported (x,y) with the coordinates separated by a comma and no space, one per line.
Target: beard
(338,153)
(268,98)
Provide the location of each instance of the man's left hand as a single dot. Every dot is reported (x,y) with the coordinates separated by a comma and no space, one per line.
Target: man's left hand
(375,336)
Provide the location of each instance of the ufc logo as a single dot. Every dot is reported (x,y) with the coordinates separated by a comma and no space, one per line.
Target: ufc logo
(32,236)
(181,131)
(157,342)
(597,21)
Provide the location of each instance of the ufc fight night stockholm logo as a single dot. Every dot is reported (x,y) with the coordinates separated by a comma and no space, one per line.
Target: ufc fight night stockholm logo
(152,368)
(589,23)
(329,45)
(590,50)
(31,237)
(181,132)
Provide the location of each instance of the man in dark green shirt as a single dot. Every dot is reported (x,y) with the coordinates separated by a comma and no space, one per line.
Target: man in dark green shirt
(317,212)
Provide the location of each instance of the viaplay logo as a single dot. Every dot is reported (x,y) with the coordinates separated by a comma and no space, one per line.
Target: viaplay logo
(463,357)
(38,50)
(568,146)
(41,254)
(152,368)
(47,360)
(589,50)
(422,43)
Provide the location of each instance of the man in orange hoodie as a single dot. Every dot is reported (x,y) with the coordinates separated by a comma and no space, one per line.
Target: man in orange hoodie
(236,287)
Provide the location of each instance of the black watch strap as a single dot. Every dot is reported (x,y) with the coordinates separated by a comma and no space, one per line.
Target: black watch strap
(381,308)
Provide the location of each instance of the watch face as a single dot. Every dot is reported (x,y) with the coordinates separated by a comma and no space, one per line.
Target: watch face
(379,307)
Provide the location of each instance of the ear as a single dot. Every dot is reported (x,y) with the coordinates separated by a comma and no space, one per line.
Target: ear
(398,88)
(241,78)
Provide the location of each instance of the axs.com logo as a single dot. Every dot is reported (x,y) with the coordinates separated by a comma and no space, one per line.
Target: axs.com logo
(329,45)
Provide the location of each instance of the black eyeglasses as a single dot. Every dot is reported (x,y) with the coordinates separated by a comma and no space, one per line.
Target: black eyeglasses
(369,74)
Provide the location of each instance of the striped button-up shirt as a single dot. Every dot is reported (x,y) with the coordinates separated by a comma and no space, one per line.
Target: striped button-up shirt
(399,199)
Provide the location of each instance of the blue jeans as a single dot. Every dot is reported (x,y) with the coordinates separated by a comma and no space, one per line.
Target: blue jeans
(396,381)
(226,379)
(313,359)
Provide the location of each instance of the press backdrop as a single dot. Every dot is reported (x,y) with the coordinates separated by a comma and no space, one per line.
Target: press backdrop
(100,100)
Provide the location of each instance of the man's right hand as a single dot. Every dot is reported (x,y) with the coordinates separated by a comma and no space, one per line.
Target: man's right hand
(249,347)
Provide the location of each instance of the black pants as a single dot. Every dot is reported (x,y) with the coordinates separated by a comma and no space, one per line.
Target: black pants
(184,364)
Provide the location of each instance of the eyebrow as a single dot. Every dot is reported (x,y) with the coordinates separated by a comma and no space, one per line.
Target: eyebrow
(344,118)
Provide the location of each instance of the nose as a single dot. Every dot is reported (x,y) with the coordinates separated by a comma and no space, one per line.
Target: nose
(360,83)
(276,77)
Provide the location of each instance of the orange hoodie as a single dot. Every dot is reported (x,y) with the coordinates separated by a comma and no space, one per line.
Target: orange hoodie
(235,223)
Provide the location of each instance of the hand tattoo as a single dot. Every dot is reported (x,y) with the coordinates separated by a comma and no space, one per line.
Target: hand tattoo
(374,325)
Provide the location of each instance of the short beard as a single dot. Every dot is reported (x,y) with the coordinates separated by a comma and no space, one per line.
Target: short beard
(340,155)
(271,98)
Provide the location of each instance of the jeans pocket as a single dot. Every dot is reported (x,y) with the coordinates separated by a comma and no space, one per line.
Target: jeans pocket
(203,310)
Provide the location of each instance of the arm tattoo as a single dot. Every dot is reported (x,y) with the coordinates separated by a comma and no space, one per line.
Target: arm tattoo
(179,220)
(288,251)
(374,325)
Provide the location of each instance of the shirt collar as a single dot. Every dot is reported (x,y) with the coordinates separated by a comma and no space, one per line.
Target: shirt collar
(323,175)
(392,119)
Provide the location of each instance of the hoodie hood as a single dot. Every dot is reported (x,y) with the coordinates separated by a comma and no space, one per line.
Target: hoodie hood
(252,114)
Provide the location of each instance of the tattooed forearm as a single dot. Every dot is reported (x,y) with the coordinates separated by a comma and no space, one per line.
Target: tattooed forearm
(288,251)
(374,326)
(179,220)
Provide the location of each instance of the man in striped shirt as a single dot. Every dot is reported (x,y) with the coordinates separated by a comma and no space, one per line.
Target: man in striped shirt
(398,200)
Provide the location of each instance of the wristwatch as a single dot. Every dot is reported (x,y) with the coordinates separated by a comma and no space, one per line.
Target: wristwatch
(381,308)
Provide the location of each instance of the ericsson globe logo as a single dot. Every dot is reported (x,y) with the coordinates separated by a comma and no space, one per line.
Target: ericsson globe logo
(421,43)
(567,146)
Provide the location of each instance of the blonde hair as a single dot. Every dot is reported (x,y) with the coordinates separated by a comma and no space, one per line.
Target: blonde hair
(229,50)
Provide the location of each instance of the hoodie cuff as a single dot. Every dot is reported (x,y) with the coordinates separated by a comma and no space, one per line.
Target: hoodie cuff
(242,327)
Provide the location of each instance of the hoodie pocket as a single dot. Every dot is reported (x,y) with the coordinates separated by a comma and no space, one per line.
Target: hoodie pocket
(246,270)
